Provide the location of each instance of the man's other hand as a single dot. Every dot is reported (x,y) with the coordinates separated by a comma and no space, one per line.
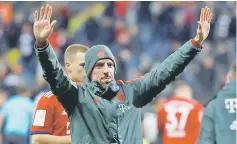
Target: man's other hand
(42,26)
(203,25)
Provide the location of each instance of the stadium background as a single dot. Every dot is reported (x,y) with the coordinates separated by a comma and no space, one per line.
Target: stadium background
(140,34)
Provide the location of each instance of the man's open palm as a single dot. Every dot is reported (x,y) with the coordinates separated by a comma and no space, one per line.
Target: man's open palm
(203,25)
(42,26)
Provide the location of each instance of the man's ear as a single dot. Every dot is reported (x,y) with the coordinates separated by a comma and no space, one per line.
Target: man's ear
(68,67)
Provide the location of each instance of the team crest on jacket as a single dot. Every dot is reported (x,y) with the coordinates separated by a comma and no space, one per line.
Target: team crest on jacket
(120,96)
(96,100)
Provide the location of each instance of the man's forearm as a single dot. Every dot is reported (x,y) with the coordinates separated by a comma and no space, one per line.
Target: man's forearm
(48,59)
(154,82)
(50,139)
(173,65)
(61,85)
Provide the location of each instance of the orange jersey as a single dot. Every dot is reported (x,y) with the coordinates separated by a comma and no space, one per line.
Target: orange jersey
(50,117)
(179,121)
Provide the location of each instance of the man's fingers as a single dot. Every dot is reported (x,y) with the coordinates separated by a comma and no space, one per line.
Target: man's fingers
(36,16)
(207,14)
(52,25)
(49,13)
(46,12)
(210,18)
(201,15)
(41,13)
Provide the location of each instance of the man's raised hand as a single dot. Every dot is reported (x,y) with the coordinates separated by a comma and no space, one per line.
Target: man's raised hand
(42,25)
(203,25)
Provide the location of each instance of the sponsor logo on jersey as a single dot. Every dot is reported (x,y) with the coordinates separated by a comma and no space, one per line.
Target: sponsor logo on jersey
(231,106)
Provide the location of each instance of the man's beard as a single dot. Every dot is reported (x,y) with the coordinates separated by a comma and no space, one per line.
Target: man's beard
(104,85)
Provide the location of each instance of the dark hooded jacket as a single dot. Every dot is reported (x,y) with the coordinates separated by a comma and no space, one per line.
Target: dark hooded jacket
(111,115)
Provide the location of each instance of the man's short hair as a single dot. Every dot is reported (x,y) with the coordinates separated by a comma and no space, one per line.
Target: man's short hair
(182,85)
(74,49)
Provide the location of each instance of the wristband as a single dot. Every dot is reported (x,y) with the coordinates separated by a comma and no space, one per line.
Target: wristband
(41,44)
(196,44)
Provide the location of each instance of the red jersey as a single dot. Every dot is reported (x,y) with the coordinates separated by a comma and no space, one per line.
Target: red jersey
(50,117)
(179,120)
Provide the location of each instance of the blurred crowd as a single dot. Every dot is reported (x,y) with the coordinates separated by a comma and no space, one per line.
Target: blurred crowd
(140,34)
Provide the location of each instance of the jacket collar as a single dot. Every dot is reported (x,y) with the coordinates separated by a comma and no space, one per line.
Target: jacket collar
(108,93)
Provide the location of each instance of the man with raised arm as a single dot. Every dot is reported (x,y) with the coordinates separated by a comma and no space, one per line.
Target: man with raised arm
(103,110)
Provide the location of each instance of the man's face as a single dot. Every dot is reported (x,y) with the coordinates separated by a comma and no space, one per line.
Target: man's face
(103,72)
(75,68)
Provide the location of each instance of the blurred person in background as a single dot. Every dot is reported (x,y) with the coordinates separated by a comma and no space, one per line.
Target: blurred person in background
(3,71)
(51,124)
(4,47)
(219,119)
(16,116)
(13,78)
(27,60)
(3,97)
(179,118)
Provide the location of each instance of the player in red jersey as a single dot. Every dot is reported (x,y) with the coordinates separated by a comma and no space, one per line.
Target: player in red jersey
(51,123)
(179,118)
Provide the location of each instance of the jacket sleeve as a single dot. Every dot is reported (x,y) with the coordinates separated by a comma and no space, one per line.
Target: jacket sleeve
(148,86)
(207,133)
(61,85)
